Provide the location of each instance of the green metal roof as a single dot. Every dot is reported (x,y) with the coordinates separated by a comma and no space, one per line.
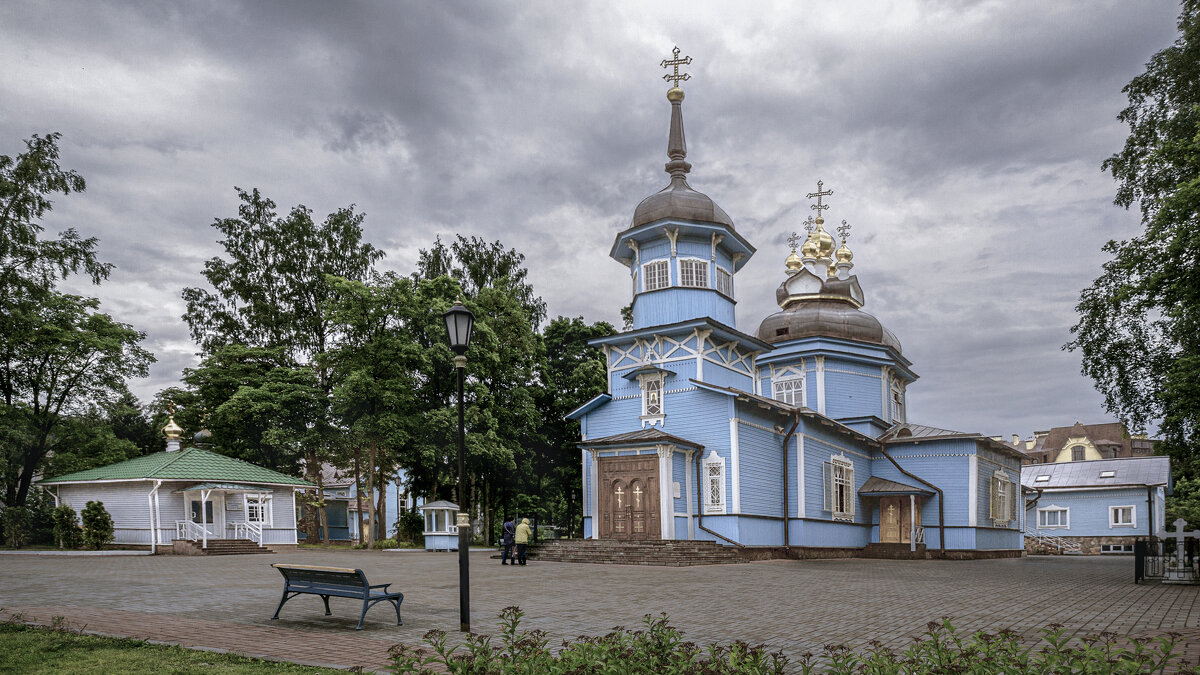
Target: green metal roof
(188,464)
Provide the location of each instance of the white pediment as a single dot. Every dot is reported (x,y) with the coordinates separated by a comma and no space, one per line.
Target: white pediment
(804,283)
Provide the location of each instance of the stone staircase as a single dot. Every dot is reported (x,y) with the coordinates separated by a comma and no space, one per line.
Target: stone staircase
(224,547)
(650,552)
(891,551)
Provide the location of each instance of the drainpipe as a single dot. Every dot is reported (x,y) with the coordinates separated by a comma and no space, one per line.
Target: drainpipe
(700,508)
(938,490)
(787,482)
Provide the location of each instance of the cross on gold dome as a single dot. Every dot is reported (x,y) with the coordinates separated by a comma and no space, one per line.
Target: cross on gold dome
(818,207)
(675,63)
(844,230)
(793,241)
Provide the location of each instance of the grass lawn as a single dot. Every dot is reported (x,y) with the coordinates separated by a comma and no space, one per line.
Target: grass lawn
(27,649)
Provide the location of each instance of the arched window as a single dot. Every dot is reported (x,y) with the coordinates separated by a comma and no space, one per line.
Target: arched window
(1078,453)
(714,483)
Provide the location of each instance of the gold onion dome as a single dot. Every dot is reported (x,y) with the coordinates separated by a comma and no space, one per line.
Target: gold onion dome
(172,431)
(822,239)
(843,253)
(794,263)
(811,249)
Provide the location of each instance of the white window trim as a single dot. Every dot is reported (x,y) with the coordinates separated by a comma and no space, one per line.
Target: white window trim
(898,407)
(1002,507)
(831,482)
(715,461)
(1066,518)
(797,383)
(263,504)
(698,261)
(646,276)
(717,279)
(1112,512)
(647,416)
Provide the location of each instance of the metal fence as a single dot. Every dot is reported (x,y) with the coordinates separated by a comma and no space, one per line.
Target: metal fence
(1164,560)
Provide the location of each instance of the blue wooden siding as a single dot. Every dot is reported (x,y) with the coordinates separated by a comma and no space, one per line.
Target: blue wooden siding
(680,468)
(820,533)
(760,453)
(672,305)
(850,389)
(819,446)
(1089,512)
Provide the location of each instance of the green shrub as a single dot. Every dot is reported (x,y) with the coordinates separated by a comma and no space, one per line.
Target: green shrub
(385,543)
(410,526)
(660,648)
(15,522)
(41,517)
(66,527)
(97,525)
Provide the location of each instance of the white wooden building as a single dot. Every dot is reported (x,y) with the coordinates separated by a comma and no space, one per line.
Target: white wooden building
(187,494)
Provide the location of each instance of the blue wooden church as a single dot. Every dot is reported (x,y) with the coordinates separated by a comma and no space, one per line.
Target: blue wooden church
(792,434)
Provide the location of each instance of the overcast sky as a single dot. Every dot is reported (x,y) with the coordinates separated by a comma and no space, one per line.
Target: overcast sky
(962,141)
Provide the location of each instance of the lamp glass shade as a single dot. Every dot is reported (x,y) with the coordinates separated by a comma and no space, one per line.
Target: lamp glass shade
(459,324)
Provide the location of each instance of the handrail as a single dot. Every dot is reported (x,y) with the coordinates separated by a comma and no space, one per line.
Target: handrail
(248,530)
(1062,544)
(186,529)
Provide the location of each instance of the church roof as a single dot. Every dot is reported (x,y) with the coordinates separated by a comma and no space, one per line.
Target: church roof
(719,330)
(907,432)
(1121,472)
(188,464)
(1112,433)
(640,437)
(882,487)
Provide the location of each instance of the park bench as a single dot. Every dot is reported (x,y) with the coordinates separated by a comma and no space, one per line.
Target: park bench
(341,582)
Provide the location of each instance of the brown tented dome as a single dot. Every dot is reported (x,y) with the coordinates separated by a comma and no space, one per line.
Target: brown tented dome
(825,318)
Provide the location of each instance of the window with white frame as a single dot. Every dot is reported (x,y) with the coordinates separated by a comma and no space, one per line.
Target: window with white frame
(693,273)
(652,395)
(656,275)
(724,282)
(897,401)
(839,487)
(789,390)
(1054,518)
(1122,516)
(714,483)
(258,509)
(1003,499)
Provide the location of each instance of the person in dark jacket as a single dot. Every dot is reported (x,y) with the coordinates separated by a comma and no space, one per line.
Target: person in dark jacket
(508,533)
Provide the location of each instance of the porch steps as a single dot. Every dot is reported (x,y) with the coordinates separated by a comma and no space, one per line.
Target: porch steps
(670,553)
(227,547)
(890,551)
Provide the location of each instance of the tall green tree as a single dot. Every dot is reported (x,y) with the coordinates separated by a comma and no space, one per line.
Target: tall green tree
(1139,326)
(71,356)
(59,355)
(269,292)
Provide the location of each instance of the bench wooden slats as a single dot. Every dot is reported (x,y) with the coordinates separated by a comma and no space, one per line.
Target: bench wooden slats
(341,582)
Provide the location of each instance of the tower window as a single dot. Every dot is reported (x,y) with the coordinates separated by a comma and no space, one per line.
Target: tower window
(656,275)
(789,391)
(897,401)
(724,282)
(693,273)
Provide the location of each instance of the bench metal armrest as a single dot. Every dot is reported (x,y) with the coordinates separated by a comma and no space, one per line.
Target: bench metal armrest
(383,586)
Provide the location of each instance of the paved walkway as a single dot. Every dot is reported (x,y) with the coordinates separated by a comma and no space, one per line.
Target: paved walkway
(225,602)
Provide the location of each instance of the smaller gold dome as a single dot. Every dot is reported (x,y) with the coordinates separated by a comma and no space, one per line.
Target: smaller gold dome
(674,94)
(794,263)
(810,249)
(843,253)
(822,239)
(173,431)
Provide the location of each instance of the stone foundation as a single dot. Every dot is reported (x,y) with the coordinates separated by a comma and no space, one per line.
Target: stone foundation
(1087,545)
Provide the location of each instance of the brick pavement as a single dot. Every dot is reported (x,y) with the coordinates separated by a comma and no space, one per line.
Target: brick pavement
(225,602)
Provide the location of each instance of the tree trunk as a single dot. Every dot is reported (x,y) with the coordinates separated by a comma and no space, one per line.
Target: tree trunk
(381,506)
(358,493)
(322,514)
(371,496)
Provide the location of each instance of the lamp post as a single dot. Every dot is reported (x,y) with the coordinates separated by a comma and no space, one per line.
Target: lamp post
(459,323)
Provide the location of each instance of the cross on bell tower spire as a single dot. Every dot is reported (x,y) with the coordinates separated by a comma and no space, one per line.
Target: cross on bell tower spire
(674,63)
(818,207)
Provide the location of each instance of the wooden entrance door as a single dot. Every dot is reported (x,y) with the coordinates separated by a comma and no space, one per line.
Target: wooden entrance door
(628,497)
(895,524)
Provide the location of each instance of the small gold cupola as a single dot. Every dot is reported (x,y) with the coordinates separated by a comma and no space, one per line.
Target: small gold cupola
(844,255)
(173,432)
(794,263)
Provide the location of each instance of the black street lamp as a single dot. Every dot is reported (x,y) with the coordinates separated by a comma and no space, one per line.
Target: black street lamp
(459,324)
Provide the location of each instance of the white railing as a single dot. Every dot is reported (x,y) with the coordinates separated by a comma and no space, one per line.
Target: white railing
(1046,540)
(186,529)
(251,531)
(918,535)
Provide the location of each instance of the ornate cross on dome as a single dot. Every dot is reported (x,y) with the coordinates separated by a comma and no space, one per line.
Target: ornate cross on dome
(675,63)
(808,225)
(793,241)
(818,207)
(844,230)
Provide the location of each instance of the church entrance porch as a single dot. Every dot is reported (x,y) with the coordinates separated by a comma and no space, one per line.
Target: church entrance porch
(628,497)
(899,519)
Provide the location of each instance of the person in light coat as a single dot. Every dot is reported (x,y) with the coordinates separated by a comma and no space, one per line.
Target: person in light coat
(522,539)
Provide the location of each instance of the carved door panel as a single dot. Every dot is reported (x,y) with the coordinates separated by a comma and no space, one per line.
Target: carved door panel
(891,519)
(628,498)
